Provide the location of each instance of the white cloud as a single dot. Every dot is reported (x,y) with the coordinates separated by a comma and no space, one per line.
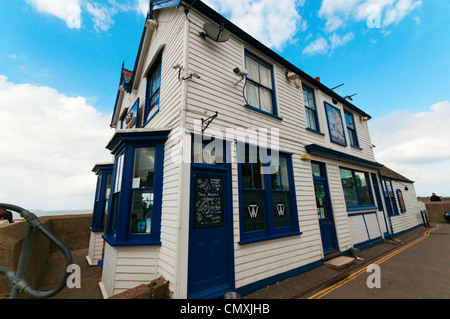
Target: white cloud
(319,46)
(274,23)
(50,143)
(324,46)
(388,11)
(417,145)
(101,15)
(400,11)
(337,41)
(67,10)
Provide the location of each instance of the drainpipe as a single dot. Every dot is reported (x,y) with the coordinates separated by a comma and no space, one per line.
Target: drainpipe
(184,187)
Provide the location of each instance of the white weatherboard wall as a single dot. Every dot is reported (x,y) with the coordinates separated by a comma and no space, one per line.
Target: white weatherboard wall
(95,248)
(216,91)
(127,267)
(412,217)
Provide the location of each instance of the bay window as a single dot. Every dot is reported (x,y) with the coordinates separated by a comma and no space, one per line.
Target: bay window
(135,216)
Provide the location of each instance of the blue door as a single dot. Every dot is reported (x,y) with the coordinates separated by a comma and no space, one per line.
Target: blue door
(326,221)
(324,208)
(211,265)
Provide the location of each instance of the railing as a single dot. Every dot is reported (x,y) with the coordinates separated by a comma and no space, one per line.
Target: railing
(19,284)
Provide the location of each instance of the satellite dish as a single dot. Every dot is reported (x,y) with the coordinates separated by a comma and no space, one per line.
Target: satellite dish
(215,33)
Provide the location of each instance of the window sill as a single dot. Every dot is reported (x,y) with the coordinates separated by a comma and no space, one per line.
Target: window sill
(357,147)
(314,131)
(269,237)
(363,207)
(130,243)
(263,112)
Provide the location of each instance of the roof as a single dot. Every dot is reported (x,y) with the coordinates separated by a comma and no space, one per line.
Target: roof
(390,174)
(231,27)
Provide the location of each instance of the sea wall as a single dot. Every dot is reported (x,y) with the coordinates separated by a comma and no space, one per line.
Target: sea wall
(436,210)
(72,230)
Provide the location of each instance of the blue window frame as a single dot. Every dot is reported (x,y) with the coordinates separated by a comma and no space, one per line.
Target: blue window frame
(309,100)
(351,128)
(102,196)
(153,90)
(401,201)
(260,88)
(357,191)
(268,207)
(389,197)
(136,203)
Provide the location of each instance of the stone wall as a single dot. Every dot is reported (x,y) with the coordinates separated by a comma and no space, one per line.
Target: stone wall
(72,230)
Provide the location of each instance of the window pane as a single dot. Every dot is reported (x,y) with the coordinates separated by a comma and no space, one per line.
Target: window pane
(141,212)
(252,94)
(308,99)
(281,209)
(156,80)
(316,170)
(266,100)
(280,179)
(252,68)
(363,188)
(321,199)
(253,211)
(144,168)
(265,76)
(349,187)
(310,119)
(118,179)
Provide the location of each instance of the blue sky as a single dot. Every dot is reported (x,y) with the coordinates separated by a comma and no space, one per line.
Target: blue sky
(60,63)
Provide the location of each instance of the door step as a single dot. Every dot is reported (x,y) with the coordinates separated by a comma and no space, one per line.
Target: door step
(332,255)
(340,262)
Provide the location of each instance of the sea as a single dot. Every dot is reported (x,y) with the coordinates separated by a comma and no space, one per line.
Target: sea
(42,213)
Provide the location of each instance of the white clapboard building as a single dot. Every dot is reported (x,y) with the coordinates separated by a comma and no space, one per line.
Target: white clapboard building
(233,169)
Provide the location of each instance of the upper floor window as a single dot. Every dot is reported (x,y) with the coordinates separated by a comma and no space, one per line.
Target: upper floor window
(260,91)
(153,90)
(351,128)
(310,108)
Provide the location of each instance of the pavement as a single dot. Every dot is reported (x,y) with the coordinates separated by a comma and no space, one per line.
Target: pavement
(298,287)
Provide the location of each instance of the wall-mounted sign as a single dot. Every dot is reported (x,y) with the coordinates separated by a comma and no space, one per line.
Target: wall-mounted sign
(335,124)
(129,121)
(208,201)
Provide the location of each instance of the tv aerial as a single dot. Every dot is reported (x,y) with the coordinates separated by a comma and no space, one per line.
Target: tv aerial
(215,33)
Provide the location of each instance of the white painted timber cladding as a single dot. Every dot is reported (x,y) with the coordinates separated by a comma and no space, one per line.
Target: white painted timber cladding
(412,217)
(215,91)
(95,248)
(127,267)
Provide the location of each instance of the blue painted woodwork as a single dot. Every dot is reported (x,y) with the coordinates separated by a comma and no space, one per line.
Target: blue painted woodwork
(211,251)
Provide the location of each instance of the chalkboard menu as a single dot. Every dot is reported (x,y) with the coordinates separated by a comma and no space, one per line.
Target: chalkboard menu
(208,201)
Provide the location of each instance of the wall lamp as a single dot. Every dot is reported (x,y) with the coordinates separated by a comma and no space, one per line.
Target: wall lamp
(294,77)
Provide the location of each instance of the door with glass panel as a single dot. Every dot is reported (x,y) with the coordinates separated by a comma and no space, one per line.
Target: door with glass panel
(324,208)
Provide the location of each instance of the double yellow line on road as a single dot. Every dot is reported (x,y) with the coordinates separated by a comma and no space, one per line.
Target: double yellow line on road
(326,291)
